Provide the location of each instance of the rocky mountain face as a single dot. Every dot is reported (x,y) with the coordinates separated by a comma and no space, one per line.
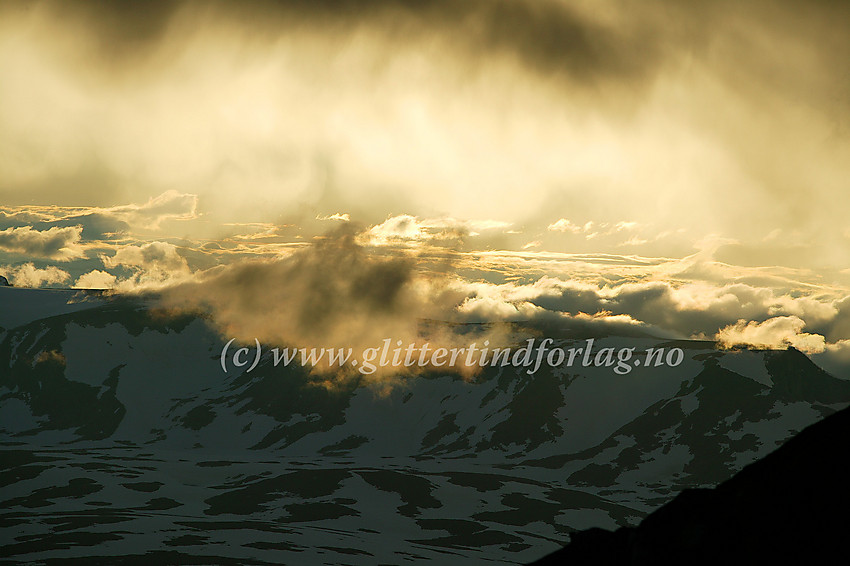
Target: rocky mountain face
(122,438)
(788,508)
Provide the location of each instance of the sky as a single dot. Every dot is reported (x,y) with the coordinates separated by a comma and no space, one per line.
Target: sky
(317,170)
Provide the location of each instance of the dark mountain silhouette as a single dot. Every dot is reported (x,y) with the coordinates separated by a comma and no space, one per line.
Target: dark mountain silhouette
(788,508)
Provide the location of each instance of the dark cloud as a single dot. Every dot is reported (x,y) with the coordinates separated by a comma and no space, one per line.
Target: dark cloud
(123,29)
(839,327)
(330,294)
(338,293)
(546,36)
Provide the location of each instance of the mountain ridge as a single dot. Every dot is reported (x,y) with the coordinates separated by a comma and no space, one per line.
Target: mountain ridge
(118,412)
(782,509)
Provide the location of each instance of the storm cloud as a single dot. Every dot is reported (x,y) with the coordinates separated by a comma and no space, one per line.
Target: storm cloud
(333,293)
(671,168)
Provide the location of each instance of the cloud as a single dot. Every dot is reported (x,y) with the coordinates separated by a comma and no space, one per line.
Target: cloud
(414,117)
(835,359)
(153,255)
(334,293)
(344,217)
(550,37)
(28,275)
(564,225)
(484,308)
(442,231)
(777,333)
(95,279)
(338,292)
(434,108)
(99,223)
(593,230)
(170,205)
(402,227)
(152,265)
(95,225)
(479,307)
(676,309)
(54,243)
(19,218)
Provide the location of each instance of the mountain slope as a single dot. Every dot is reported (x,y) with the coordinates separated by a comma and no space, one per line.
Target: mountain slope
(121,434)
(788,508)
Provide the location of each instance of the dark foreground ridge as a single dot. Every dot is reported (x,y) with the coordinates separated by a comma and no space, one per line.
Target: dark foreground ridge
(789,508)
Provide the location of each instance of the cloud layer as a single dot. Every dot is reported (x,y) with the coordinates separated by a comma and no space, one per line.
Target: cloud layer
(54,243)
(673,168)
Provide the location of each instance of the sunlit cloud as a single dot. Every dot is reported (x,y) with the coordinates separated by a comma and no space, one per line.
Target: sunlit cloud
(564,225)
(95,279)
(168,205)
(344,217)
(152,265)
(592,163)
(54,243)
(776,333)
(403,227)
(28,275)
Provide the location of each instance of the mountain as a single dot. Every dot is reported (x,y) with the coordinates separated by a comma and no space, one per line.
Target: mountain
(788,508)
(123,440)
